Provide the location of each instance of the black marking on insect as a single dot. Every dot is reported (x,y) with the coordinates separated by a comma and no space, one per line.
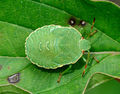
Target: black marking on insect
(0,67)
(82,23)
(14,78)
(72,21)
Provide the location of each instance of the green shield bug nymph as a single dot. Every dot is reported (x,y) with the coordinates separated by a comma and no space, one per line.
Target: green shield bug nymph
(54,46)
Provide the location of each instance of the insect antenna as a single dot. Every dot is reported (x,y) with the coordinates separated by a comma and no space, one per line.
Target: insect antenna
(92,25)
(92,33)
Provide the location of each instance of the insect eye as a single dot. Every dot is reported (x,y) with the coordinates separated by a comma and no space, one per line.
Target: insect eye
(82,23)
(72,21)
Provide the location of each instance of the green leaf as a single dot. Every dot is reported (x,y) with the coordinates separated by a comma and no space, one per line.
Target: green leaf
(99,80)
(42,81)
(10,89)
(19,18)
(12,65)
(109,87)
(12,39)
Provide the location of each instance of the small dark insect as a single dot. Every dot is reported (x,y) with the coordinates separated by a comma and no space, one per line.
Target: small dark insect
(72,21)
(14,78)
(82,23)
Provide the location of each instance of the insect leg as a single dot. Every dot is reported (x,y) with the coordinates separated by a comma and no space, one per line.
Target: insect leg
(95,59)
(65,71)
(91,34)
(88,56)
(88,60)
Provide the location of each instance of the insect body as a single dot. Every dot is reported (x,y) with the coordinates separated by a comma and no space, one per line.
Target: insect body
(53,46)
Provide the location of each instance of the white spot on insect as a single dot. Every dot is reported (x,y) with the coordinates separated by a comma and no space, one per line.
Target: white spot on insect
(52,29)
(72,22)
(82,23)
(40,46)
(14,78)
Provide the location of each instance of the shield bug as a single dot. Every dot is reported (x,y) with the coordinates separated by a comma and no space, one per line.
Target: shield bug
(54,46)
